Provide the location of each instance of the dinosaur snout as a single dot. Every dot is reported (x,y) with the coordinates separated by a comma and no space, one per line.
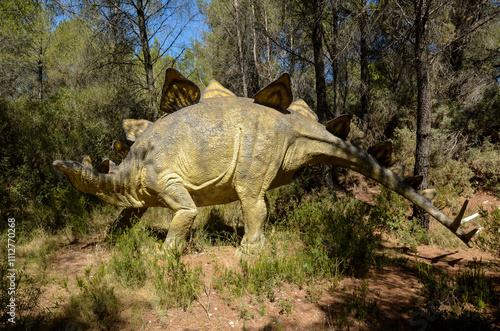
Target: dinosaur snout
(66,166)
(58,164)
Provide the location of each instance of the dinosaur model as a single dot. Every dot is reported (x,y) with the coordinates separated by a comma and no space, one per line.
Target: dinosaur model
(217,148)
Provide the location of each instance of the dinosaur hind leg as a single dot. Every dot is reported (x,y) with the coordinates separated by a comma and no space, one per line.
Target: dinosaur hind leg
(177,198)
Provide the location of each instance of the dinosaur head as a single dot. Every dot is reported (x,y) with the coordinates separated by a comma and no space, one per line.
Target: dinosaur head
(81,176)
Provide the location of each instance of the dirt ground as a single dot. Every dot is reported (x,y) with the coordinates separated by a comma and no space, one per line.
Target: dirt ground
(392,289)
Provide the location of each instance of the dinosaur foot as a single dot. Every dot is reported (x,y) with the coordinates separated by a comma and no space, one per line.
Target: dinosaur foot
(173,249)
(247,250)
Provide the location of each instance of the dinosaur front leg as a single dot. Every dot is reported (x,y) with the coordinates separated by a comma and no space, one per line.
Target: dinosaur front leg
(177,198)
(254,215)
(126,218)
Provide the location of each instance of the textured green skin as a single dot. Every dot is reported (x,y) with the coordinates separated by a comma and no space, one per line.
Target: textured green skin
(221,150)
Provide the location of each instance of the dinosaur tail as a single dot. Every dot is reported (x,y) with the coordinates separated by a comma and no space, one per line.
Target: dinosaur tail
(349,156)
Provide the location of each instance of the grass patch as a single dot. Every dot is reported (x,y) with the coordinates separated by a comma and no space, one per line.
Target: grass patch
(175,283)
(455,302)
(131,256)
(96,306)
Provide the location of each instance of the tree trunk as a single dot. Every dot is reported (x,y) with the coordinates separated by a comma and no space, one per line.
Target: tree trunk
(363,59)
(240,49)
(148,63)
(255,75)
(422,152)
(114,22)
(268,44)
(40,71)
(319,65)
(335,59)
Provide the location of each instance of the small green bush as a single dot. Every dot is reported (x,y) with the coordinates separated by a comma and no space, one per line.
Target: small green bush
(490,236)
(27,292)
(456,302)
(338,234)
(469,286)
(449,161)
(96,306)
(175,283)
(391,211)
(484,162)
(455,175)
(130,259)
(364,308)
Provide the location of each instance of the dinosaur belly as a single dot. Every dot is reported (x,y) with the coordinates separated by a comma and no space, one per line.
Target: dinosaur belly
(214,195)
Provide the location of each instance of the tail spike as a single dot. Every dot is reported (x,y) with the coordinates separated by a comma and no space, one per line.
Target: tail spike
(458,220)
(468,236)
(470,218)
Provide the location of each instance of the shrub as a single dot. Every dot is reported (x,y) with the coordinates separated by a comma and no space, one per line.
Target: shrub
(489,237)
(130,259)
(68,125)
(321,237)
(391,211)
(469,286)
(484,162)
(453,177)
(96,306)
(176,284)
(27,294)
(453,302)
(364,308)
(447,156)
(338,233)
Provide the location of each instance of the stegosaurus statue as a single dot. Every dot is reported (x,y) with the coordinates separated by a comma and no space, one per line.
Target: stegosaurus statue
(217,148)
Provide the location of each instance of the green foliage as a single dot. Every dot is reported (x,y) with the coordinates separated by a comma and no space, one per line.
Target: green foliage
(469,286)
(260,277)
(484,162)
(96,305)
(67,126)
(27,292)
(404,148)
(391,211)
(489,237)
(286,307)
(455,302)
(175,283)
(323,237)
(480,120)
(130,259)
(338,233)
(363,308)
